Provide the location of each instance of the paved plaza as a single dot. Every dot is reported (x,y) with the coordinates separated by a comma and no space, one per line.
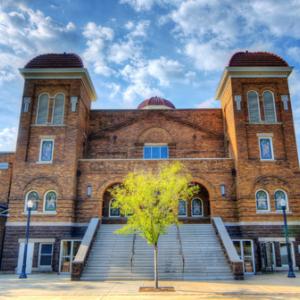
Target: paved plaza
(50,286)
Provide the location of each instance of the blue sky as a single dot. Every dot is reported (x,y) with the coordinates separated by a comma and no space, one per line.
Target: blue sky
(140,48)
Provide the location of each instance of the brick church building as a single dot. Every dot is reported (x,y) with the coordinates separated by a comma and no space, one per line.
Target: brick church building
(243,156)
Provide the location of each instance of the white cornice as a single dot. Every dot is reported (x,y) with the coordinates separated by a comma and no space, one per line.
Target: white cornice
(61,73)
(251,72)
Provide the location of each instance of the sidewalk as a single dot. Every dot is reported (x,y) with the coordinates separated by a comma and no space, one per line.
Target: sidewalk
(51,286)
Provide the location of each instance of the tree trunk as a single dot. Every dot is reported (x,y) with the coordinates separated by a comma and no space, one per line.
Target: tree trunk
(155,266)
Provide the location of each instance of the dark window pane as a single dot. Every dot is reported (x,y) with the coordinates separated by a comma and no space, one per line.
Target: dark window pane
(46,249)
(46,260)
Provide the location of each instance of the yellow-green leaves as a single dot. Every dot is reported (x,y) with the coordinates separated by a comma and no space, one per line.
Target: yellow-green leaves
(150,199)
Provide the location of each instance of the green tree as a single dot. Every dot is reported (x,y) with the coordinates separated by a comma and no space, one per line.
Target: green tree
(150,200)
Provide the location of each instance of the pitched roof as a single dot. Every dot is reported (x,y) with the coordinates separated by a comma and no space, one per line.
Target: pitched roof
(256,59)
(55,60)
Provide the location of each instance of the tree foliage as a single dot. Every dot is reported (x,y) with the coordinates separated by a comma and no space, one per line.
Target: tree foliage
(150,199)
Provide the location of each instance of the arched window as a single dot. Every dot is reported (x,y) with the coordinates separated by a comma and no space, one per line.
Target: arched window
(182,208)
(34,197)
(253,107)
(50,201)
(113,211)
(262,201)
(197,208)
(42,109)
(58,109)
(279,196)
(269,107)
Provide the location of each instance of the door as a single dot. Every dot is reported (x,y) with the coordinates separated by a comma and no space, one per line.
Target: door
(45,257)
(244,249)
(29,257)
(68,252)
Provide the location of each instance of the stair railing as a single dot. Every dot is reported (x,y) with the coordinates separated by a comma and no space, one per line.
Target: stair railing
(84,249)
(180,247)
(132,251)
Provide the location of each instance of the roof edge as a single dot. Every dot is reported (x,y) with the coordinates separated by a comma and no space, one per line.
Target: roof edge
(61,73)
(251,72)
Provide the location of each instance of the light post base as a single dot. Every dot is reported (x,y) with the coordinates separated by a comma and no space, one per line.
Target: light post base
(23,276)
(291,274)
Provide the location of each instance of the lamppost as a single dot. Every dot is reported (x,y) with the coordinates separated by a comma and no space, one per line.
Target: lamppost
(291,273)
(29,207)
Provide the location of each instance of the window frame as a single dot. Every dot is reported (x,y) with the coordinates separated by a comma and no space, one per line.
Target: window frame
(48,267)
(40,154)
(37,110)
(258,105)
(270,138)
(286,198)
(202,212)
(109,208)
(158,145)
(268,202)
(44,203)
(53,107)
(26,200)
(274,107)
(185,204)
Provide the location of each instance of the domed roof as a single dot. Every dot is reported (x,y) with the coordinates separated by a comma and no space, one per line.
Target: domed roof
(55,60)
(256,59)
(156,103)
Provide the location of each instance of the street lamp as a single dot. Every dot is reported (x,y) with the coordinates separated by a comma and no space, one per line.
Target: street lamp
(283,205)
(29,207)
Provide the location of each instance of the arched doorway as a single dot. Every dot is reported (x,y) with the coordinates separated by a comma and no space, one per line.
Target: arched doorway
(196,209)
(110,214)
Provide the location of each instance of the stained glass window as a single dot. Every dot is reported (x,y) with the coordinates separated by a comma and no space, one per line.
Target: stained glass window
(42,112)
(279,196)
(58,109)
(269,107)
(50,201)
(34,197)
(253,107)
(266,151)
(182,208)
(46,150)
(262,203)
(197,207)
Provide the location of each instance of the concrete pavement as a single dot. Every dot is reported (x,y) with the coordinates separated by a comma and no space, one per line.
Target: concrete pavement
(50,286)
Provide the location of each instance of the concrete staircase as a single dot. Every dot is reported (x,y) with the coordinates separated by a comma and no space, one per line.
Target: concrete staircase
(191,253)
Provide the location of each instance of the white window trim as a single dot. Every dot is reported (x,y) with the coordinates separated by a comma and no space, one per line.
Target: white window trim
(268,200)
(202,212)
(269,137)
(156,145)
(37,109)
(40,154)
(45,268)
(26,199)
(53,106)
(274,107)
(185,203)
(258,104)
(110,201)
(286,198)
(44,203)
(71,254)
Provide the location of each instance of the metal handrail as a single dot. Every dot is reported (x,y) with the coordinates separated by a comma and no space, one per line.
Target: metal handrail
(132,251)
(180,247)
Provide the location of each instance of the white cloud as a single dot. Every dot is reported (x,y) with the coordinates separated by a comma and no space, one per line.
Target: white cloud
(139,29)
(97,37)
(120,52)
(144,5)
(209,103)
(207,56)
(8,138)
